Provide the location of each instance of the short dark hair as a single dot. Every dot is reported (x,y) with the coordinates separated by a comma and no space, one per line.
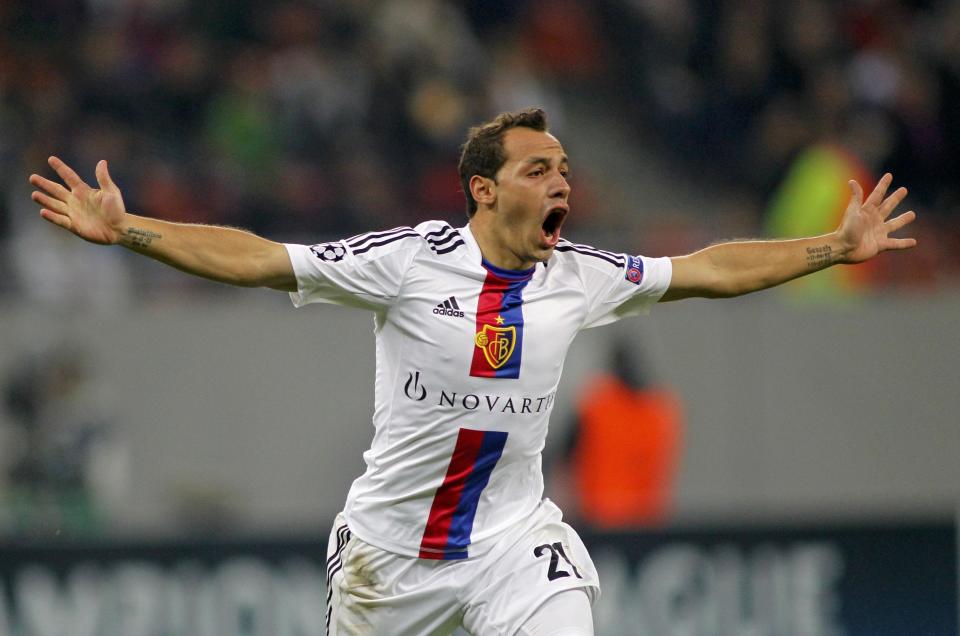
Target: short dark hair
(483,154)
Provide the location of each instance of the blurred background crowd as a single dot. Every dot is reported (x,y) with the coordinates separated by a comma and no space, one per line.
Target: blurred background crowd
(321,118)
(305,120)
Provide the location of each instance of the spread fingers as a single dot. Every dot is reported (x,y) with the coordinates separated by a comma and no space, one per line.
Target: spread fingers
(49,202)
(51,187)
(66,173)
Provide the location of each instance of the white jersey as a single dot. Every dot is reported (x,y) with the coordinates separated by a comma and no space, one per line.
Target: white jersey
(469,357)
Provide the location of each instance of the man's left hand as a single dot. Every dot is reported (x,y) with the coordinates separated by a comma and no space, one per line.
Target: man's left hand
(865,230)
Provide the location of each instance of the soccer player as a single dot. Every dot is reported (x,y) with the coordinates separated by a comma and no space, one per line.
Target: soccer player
(448,526)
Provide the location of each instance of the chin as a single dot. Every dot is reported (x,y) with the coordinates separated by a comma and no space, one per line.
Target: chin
(543,254)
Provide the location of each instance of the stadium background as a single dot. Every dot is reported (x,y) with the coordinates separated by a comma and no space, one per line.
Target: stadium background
(161,433)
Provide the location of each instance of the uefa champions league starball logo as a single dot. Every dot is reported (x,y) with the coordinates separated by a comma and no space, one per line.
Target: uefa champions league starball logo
(331,252)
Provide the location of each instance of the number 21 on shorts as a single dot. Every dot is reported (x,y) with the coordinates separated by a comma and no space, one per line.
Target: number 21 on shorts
(554,570)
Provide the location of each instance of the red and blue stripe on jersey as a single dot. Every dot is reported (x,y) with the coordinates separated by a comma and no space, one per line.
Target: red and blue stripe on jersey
(500,310)
(500,322)
(450,523)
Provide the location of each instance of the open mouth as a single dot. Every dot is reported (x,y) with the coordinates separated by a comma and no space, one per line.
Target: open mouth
(551,225)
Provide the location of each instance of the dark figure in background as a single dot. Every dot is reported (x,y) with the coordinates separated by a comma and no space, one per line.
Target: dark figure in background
(624,446)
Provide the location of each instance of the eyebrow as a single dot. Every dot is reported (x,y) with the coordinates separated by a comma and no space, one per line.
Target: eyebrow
(545,161)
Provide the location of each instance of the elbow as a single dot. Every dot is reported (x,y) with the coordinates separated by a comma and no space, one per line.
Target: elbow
(733,290)
(722,292)
(700,275)
(747,286)
(262,268)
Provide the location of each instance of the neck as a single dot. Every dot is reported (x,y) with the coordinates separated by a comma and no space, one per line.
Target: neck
(493,246)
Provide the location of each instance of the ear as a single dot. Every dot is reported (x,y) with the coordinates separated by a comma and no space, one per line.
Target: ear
(483,189)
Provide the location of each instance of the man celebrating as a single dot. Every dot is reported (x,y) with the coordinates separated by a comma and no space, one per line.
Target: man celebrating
(447,526)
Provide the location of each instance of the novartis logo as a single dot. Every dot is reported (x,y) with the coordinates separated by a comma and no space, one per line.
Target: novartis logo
(415,390)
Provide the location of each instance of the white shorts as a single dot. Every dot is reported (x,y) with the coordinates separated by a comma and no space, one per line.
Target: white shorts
(372,591)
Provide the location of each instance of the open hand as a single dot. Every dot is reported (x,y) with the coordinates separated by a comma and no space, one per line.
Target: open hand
(865,230)
(93,215)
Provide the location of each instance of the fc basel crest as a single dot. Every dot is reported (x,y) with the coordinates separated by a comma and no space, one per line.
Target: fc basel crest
(498,334)
(497,343)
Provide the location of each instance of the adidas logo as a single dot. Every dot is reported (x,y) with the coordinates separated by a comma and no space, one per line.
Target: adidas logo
(449,307)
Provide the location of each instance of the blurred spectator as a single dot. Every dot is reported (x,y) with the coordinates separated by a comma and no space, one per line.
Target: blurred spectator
(624,447)
(810,202)
(65,466)
(563,39)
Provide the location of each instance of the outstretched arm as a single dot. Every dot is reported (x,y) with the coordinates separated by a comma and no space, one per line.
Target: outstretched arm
(98,215)
(732,269)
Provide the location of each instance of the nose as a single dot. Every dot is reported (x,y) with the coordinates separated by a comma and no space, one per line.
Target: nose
(560,187)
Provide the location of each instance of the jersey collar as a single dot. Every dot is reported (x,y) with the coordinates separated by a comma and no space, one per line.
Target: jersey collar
(476,256)
(508,274)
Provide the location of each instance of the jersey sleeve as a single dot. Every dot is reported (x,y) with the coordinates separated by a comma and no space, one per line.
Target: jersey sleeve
(362,271)
(629,289)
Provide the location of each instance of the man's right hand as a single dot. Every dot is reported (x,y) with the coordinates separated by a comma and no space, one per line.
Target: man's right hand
(93,215)
(222,254)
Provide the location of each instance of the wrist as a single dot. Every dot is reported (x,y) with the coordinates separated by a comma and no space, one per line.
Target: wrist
(120,227)
(135,233)
(824,251)
(840,248)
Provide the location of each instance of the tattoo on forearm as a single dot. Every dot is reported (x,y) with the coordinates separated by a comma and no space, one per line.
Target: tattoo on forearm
(138,237)
(818,257)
